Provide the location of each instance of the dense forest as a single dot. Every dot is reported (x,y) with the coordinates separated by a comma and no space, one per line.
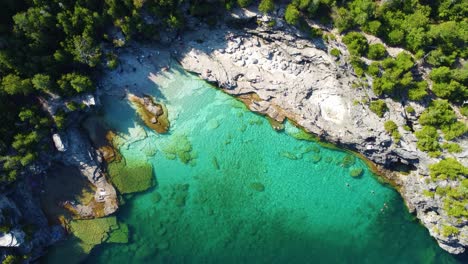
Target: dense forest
(54,47)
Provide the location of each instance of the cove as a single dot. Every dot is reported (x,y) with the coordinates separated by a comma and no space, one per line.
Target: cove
(230,189)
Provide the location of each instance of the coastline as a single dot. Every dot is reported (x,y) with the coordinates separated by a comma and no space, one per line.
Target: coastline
(241,63)
(139,61)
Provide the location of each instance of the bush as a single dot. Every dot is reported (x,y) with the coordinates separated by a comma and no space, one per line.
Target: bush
(356,43)
(437,114)
(378,107)
(342,19)
(449,231)
(452,147)
(72,106)
(418,91)
(454,130)
(376,52)
(374,69)
(335,52)
(266,6)
(392,129)
(464,110)
(358,65)
(409,109)
(448,168)
(390,126)
(454,91)
(428,139)
(441,74)
(244,3)
(292,15)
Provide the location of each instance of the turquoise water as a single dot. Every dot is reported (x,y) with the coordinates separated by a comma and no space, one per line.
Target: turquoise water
(251,194)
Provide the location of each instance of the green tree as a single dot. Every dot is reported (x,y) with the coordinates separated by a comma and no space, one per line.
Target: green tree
(74,82)
(376,52)
(439,113)
(379,107)
(41,82)
(342,19)
(292,15)
(12,84)
(448,168)
(266,6)
(244,3)
(428,139)
(356,43)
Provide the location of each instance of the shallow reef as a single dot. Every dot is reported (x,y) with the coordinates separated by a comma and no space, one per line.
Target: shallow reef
(181,148)
(130,176)
(97,231)
(357,172)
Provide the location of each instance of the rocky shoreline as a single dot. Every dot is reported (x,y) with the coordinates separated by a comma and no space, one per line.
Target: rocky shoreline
(278,72)
(296,78)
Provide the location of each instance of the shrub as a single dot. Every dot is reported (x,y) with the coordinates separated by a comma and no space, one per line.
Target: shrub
(358,65)
(356,43)
(418,91)
(452,147)
(373,27)
(335,52)
(376,52)
(428,193)
(410,109)
(441,74)
(448,168)
(464,110)
(72,106)
(342,19)
(390,126)
(374,69)
(292,15)
(437,114)
(266,6)
(449,231)
(454,130)
(379,107)
(427,139)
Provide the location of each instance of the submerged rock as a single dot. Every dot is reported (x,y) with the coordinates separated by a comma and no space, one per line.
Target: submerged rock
(179,147)
(130,176)
(97,231)
(257,186)
(357,172)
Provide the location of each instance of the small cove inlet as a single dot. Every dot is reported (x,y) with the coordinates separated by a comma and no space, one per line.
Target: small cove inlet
(231,189)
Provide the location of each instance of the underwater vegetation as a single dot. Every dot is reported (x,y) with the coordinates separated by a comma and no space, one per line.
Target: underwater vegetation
(97,231)
(356,172)
(131,175)
(181,148)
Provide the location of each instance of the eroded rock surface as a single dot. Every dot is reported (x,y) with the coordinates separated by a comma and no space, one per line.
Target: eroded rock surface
(82,155)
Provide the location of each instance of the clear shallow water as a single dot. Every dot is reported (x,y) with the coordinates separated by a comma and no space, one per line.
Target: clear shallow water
(214,210)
